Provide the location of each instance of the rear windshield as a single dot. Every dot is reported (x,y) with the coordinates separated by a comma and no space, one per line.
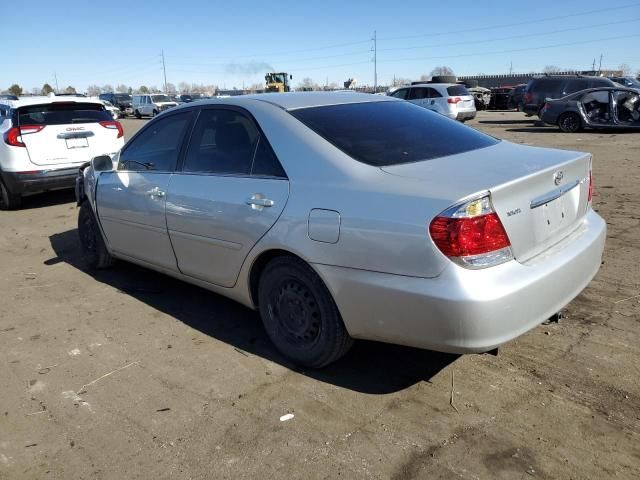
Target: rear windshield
(457,90)
(62,114)
(122,97)
(160,98)
(391,133)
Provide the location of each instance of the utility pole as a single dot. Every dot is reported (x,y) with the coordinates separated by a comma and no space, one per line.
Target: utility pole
(164,70)
(600,65)
(593,67)
(375,61)
(55,76)
(510,67)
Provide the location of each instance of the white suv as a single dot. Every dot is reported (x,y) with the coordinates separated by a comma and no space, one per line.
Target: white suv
(151,105)
(449,99)
(45,140)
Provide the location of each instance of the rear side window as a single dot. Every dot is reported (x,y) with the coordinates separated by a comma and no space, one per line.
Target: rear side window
(457,90)
(391,133)
(223,141)
(157,147)
(418,93)
(62,114)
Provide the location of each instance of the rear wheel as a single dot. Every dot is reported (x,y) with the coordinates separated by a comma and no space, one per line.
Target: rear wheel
(570,122)
(94,251)
(137,114)
(299,315)
(8,200)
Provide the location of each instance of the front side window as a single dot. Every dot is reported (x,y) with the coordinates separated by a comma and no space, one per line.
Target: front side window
(158,146)
(391,133)
(402,93)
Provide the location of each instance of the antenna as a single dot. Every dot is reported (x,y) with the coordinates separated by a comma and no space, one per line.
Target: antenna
(164,70)
(375,61)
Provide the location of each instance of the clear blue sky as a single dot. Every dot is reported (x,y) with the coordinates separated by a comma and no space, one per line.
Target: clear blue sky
(228,43)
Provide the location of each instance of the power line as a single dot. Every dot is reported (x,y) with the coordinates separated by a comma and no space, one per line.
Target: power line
(506,25)
(360,52)
(512,37)
(514,50)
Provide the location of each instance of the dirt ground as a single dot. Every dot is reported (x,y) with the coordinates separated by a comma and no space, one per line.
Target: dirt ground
(129,374)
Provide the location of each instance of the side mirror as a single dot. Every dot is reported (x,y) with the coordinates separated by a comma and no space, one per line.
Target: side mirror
(102,163)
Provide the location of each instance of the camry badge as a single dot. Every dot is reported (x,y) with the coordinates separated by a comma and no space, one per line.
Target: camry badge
(557,177)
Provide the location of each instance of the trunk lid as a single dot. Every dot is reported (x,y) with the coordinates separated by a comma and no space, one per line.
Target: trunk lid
(539,194)
(71,134)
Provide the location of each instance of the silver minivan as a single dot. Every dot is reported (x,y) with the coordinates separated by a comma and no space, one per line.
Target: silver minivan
(151,104)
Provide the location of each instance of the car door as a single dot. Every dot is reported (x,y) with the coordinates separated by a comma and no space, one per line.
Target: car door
(437,102)
(626,107)
(131,200)
(230,191)
(418,95)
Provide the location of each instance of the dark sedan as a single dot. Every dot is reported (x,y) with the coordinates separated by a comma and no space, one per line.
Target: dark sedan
(594,108)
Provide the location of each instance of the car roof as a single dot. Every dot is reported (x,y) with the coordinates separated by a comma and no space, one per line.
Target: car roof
(598,89)
(297,100)
(42,100)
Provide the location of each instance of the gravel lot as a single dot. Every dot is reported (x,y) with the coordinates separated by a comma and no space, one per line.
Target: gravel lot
(129,374)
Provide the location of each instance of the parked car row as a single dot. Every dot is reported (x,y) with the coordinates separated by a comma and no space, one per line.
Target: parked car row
(147,105)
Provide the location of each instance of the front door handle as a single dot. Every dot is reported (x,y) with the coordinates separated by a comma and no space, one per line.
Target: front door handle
(258,202)
(156,192)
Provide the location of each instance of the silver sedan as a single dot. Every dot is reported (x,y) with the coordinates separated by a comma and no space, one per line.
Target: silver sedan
(342,216)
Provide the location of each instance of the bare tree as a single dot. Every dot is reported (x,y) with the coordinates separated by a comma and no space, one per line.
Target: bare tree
(154,89)
(551,69)
(425,78)
(70,89)
(625,69)
(442,70)
(35,91)
(401,81)
(183,87)
(122,88)
(171,88)
(107,88)
(93,90)
(307,84)
(212,89)
(143,89)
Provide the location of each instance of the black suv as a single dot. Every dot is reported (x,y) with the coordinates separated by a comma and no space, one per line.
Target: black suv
(557,86)
(119,100)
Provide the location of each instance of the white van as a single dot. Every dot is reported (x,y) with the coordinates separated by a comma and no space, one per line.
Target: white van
(152,104)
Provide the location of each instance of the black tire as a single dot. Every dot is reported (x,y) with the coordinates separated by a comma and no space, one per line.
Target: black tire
(94,252)
(155,112)
(299,314)
(137,114)
(8,200)
(570,122)
(443,79)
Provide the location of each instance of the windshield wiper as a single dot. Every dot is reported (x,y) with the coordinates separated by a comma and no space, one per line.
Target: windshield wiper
(146,165)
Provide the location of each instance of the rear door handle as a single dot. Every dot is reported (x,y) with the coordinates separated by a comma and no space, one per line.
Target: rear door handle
(258,202)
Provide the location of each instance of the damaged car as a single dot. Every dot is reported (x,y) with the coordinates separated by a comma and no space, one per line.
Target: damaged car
(594,108)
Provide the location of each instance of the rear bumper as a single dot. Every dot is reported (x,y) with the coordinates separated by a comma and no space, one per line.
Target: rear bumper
(466,311)
(470,115)
(530,108)
(42,181)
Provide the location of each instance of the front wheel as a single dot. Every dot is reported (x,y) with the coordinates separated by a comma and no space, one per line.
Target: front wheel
(94,251)
(570,122)
(155,112)
(8,200)
(299,314)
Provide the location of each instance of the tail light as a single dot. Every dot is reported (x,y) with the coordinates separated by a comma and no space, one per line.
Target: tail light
(545,106)
(13,136)
(113,125)
(454,100)
(471,234)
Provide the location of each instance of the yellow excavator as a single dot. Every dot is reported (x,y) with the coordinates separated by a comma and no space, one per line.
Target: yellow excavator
(278,82)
